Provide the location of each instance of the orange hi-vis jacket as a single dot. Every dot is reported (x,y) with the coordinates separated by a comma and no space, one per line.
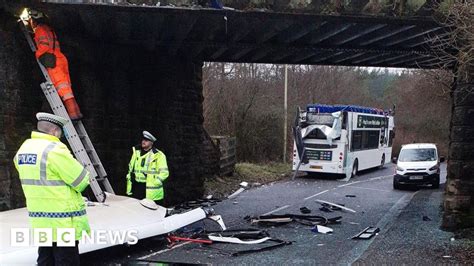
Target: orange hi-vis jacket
(46,42)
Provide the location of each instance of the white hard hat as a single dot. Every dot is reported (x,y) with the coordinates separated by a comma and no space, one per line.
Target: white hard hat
(30,13)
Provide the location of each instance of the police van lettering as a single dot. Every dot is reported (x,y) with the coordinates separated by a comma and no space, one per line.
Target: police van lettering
(26,158)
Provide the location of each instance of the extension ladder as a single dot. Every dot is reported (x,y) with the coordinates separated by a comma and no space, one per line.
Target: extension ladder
(75,134)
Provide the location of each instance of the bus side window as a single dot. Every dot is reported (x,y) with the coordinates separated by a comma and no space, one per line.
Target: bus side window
(390,138)
(356,140)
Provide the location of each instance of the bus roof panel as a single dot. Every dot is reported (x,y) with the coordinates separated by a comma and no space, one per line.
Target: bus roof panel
(324,108)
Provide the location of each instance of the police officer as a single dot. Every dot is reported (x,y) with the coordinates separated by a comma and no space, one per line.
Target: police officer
(52,181)
(147,171)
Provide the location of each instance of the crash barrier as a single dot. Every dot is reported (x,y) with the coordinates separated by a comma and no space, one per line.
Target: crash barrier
(227,150)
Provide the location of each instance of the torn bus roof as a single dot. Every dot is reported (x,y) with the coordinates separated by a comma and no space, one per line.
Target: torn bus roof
(118,215)
(324,108)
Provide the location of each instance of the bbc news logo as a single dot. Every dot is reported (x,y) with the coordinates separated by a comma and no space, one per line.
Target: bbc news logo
(66,237)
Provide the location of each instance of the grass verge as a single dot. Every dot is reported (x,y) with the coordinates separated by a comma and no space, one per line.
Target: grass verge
(254,174)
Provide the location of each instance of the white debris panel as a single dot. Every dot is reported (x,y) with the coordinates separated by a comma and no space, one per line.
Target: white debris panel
(118,215)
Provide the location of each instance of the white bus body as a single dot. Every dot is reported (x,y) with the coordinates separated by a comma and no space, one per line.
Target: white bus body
(362,141)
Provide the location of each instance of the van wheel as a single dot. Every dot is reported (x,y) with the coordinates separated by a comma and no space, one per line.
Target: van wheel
(396,185)
(382,162)
(435,183)
(355,168)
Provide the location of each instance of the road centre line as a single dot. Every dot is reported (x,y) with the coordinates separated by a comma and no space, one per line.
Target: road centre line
(355,182)
(279,209)
(317,194)
(382,190)
(380,177)
(367,180)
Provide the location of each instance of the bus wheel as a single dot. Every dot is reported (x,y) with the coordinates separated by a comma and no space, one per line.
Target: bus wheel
(355,168)
(382,162)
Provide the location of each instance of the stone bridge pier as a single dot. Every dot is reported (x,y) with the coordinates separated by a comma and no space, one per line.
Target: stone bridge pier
(459,193)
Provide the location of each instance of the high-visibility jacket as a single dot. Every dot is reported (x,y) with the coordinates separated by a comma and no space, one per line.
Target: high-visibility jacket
(52,181)
(46,41)
(150,168)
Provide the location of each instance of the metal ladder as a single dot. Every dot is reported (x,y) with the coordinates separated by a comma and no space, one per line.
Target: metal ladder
(75,133)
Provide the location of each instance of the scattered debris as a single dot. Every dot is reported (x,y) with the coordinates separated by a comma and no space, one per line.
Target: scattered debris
(243,236)
(243,186)
(351,196)
(321,229)
(277,243)
(305,210)
(278,219)
(235,240)
(452,239)
(235,202)
(426,218)
(192,204)
(172,240)
(320,245)
(354,223)
(446,256)
(367,233)
(329,208)
(336,205)
(209,197)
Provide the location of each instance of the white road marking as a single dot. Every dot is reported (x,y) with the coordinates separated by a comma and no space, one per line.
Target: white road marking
(279,209)
(164,250)
(367,180)
(317,194)
(376,189)
(348,184)
(380,177)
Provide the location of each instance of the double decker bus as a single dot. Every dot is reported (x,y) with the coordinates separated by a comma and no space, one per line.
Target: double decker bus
(342,139)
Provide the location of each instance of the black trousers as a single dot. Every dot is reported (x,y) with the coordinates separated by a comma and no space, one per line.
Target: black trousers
(138,189)
(58,255)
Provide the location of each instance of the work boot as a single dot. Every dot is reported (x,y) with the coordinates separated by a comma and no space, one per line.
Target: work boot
(73,109)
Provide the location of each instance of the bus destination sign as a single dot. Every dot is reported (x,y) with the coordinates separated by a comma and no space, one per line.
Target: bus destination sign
(365,121)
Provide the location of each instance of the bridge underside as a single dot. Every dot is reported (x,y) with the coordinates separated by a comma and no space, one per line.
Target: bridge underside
(257,37)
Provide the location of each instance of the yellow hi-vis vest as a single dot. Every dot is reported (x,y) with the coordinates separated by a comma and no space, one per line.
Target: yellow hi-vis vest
(52,181)
(150,168)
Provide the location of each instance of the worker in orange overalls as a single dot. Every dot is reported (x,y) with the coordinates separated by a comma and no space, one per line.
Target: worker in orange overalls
(49,54)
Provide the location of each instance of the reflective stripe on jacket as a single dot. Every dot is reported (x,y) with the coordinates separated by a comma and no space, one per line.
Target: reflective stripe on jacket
(52,181)
(150,168)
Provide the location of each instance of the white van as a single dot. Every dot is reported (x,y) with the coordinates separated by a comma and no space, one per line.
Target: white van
(417,164)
